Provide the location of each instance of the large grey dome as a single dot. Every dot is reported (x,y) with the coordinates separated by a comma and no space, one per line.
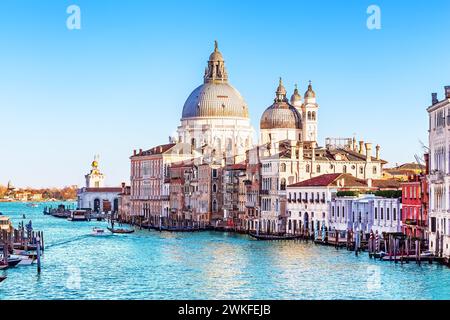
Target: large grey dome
(216,97)
(215,100)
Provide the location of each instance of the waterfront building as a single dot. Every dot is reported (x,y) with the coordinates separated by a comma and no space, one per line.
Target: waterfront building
(95,196)
(366,213)
(150,180)
(439,175)
(125,203)
(308,201)
(253,188)
(234,196)
(415,199)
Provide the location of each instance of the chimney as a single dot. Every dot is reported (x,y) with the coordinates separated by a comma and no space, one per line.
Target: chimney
(427,163)
(434,98)
(123,187)
(377,152)
(140,151)
(361,147)
(134,152)
(160,149)
(354,144)
(447,92)
(369,183)
(368,152)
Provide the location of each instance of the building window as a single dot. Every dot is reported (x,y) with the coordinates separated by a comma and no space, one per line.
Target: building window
(214,173)
(214,188)
(283,167)
(374,170)
(376,213)
(344,169)
(395,214)
(283,184)
(361,170)
(318,168)
(307,168)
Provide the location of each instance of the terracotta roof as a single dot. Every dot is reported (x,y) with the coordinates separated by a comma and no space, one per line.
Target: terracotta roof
(386,183)
(105,189)
(156,150)
(237,166)
(320,181)
(332,179)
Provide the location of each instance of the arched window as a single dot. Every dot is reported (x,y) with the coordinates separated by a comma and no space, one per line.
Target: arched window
(214,188)
(309,115)
(283,167)
(395,214)
(313,116)
(283,184)
(344,169)
(214,206)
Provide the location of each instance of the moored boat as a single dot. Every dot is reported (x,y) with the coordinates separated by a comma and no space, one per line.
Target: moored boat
(2,278)
(272,237)
(78,215)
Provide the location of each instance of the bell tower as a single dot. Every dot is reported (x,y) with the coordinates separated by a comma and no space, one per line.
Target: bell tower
(310,115)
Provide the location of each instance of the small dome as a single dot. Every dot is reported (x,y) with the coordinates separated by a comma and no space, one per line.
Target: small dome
(281,114)
(94,164)
(310,92)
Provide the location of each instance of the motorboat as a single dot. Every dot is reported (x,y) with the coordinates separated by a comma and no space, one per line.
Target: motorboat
(98,232)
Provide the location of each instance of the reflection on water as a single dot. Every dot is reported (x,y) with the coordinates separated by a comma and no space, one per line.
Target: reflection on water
(208,265)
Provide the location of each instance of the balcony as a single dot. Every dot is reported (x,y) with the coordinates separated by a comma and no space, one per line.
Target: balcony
(264,192)
(436,176)
(411,222)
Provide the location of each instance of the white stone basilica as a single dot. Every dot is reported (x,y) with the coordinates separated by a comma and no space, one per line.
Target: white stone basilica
(215,118)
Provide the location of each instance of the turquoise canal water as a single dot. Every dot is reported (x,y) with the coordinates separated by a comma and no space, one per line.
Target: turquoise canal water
(209,265)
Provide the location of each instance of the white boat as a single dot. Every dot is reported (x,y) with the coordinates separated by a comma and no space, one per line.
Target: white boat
(98,232)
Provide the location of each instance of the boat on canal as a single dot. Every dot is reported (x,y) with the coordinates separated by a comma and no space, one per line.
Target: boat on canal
(98,232)
(120,230)
(2,278)
(274,237)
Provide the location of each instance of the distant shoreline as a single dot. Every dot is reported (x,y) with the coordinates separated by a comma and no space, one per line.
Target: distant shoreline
(36,201)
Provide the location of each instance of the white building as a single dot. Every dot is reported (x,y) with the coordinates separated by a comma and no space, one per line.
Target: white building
(365,213)
(95,196)
(308,201)
(439,178)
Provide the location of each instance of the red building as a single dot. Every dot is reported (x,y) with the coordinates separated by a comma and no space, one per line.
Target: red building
(415,199)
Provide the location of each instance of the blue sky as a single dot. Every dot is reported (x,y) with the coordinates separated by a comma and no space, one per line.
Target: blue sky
(120,82)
